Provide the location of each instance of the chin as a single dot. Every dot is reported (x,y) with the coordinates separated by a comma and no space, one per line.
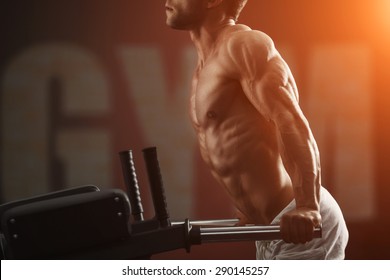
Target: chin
(179,23)
(176,26)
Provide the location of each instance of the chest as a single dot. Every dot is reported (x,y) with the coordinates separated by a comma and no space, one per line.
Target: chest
(214,92)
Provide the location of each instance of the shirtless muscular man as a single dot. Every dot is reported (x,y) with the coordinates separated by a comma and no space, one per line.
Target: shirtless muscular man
(253,134)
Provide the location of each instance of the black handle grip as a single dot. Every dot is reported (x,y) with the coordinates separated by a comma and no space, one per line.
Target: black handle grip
(156,186)
(130,178)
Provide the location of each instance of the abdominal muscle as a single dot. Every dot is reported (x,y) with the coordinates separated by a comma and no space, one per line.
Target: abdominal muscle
(243,154)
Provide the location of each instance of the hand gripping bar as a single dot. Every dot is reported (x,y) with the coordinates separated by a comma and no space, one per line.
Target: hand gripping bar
(211,231)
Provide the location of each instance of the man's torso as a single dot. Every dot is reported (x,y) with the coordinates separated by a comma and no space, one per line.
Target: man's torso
(241,147)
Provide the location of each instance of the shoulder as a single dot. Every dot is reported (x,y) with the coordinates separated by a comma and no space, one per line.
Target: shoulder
(247,51)
(243,41)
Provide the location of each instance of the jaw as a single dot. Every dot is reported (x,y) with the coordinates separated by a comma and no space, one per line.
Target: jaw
(182,19)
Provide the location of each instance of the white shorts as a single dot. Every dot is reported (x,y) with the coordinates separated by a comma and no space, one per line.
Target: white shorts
(330,247)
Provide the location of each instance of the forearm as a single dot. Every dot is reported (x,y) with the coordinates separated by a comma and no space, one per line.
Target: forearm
(303,152)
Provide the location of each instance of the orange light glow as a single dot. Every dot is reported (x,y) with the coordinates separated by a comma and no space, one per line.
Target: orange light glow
(383,15)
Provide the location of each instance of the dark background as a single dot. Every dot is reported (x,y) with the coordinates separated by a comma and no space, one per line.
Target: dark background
(102,27)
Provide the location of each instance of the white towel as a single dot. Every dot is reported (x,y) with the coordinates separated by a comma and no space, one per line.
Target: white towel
(330,247)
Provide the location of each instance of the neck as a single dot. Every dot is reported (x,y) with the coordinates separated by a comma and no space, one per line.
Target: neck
(205,36)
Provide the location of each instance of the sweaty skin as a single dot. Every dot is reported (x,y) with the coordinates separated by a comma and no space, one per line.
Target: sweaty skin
(251,130)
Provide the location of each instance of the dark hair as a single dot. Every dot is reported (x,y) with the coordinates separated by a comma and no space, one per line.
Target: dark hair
(235,7)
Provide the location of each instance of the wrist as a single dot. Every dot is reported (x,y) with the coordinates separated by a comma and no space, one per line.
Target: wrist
(314,206)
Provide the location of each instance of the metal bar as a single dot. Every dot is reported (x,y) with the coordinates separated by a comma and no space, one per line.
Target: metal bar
(240,229)
(247,233)
(222,222)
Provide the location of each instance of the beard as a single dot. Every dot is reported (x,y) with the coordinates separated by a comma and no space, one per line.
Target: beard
(184,20)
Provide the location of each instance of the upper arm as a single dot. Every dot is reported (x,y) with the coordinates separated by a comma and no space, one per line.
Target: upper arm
(266,79)
(268,84)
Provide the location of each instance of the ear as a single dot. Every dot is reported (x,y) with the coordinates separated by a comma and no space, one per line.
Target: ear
(213,3)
